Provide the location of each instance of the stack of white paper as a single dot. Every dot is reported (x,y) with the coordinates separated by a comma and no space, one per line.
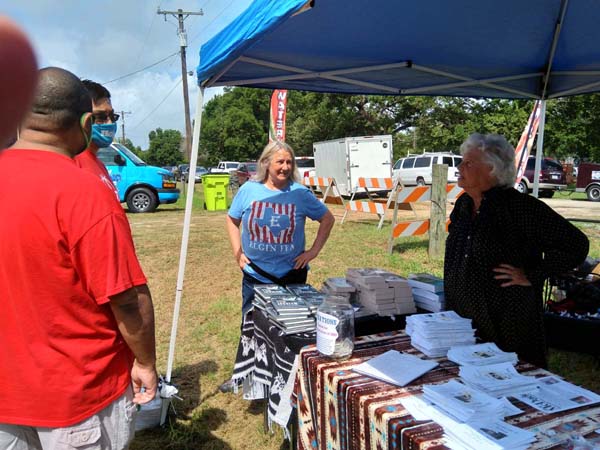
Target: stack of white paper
(463,402)
(395,367)
(480,355)
(555,395)
(434,334)
(498,380)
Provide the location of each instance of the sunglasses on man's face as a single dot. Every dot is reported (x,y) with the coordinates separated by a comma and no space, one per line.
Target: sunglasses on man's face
(102,117)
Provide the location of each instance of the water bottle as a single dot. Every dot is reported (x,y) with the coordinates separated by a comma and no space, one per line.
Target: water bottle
(335,327)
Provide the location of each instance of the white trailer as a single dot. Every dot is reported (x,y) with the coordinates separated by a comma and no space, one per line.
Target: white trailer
(351,158)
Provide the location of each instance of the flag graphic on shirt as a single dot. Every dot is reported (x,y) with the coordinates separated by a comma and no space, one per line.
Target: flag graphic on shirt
(273,223)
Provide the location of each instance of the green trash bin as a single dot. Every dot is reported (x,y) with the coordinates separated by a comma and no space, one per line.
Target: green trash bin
(215,191)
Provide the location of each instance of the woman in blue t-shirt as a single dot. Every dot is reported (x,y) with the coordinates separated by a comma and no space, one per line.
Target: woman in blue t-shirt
(270,211)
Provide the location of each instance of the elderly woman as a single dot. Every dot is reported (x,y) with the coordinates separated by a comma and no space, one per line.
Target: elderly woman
(501,247)
(271,211)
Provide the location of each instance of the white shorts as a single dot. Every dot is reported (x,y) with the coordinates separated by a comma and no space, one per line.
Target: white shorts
(112,428)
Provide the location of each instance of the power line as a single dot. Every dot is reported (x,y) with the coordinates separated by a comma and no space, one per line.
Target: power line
(157,106)
(142,69)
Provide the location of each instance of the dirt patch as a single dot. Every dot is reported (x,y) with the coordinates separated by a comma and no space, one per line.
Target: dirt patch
(574,208)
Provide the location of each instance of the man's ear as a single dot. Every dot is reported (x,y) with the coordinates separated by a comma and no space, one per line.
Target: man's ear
(86,123)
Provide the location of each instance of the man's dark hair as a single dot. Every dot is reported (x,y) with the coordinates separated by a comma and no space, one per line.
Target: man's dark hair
(59,102)
(96,90)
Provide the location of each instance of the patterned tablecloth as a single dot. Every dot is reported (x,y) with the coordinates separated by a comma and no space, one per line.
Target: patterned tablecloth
(339,409)
(265,360)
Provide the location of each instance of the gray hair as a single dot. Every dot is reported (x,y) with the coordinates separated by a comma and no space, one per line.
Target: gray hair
(262,168)
(495,151)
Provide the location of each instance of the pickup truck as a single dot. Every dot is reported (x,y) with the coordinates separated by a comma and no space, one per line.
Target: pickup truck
(225,167)
(141,186)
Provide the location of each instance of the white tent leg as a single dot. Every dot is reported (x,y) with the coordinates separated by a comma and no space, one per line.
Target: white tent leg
(540,149)
(184,244)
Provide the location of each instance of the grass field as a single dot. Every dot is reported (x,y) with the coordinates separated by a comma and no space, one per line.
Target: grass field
(210,317)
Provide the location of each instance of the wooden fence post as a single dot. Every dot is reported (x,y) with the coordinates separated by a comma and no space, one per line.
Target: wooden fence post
(437,229)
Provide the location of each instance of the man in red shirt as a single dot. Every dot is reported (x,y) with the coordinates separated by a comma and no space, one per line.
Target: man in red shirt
(77,321)
(104,128)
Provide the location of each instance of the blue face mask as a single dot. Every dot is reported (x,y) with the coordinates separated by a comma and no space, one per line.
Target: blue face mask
(103,133)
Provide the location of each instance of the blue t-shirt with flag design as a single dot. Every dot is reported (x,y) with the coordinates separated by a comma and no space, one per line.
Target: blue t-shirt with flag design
(273,224)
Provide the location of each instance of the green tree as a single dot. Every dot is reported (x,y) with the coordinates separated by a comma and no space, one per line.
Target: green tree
(165,148)
(235,125)
(134,148)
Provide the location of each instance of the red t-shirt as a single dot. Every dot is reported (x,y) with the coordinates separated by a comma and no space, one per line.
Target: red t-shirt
(89,161)
(65,248)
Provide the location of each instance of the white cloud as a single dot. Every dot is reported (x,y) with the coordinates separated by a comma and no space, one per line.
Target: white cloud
(103,41)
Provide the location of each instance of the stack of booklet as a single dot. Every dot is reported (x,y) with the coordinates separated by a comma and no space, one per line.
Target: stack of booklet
(480,355)
(312,297)
(434,334)
(428,291)
(340,286)
(395,367)
(284,308)
(382,292)
(497,380)
(463,403)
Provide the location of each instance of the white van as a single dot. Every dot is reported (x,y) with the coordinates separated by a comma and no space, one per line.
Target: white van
(417,169)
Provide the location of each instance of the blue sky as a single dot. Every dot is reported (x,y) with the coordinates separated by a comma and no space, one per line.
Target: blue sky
(105,40)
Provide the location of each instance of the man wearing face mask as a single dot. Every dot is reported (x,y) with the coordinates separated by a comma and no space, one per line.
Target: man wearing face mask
(104,128)
(77,321)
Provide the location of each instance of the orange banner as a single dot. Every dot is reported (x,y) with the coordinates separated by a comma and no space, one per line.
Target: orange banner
(278,113)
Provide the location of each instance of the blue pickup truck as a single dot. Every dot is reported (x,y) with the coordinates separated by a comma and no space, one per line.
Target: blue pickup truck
(141,186)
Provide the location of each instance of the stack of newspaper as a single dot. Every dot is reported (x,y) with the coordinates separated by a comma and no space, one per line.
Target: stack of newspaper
(488,435)
(555,395)
(382,292)
(481,434)
(497,380)
(434,334)
(428,291)
(463,403)
(480,355)
(284,309)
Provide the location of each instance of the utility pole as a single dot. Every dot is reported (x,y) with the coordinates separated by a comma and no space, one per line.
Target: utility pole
(123,125)
(181,16)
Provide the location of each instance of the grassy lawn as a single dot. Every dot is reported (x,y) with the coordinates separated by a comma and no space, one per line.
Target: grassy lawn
(210,317)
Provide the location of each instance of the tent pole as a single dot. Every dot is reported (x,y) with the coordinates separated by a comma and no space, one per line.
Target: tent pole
(186,229)
(540,149)
(184,246)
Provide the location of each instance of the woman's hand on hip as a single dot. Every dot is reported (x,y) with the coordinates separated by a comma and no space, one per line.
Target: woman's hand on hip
(514,276)
(242,260)
(303,259)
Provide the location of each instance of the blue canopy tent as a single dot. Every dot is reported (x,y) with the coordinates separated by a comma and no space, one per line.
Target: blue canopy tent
(519,49)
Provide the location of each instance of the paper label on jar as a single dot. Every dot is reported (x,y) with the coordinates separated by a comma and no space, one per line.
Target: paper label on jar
(326,332)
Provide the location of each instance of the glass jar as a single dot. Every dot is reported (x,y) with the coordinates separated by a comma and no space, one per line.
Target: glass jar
(335,327)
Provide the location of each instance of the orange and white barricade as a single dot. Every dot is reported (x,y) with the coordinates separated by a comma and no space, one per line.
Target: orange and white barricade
(414,195)
(371,206)
(327,189)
